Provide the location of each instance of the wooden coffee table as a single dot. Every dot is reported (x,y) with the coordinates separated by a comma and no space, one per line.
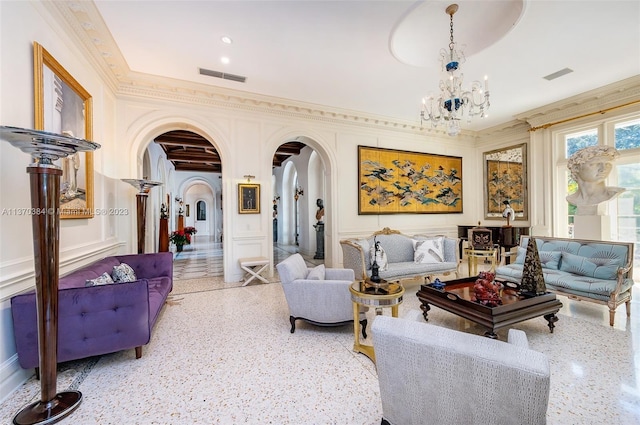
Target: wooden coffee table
(455,297)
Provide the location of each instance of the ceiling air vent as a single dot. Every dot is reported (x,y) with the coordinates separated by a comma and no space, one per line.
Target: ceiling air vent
(223,75)
(557,74)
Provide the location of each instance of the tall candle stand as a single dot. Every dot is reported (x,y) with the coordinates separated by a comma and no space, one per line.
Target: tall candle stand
(143,186)
(45,147)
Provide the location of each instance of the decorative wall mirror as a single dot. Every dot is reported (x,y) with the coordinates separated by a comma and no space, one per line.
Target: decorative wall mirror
(63,106)
(505,179)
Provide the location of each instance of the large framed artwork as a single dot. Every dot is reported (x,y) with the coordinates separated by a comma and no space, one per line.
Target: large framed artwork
(505,178)
(400,182)
(248,198)
(63,106)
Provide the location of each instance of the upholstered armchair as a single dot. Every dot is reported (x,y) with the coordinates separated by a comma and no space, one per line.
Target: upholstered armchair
(434,375)
(317,295)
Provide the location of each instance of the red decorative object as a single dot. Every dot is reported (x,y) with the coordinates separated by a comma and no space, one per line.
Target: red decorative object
(486,290)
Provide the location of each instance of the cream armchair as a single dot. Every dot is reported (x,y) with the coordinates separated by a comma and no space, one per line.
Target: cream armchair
(433,375)
(317,295)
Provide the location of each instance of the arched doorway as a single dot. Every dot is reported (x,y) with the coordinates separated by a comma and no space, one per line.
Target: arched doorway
(298,179)
(195,196)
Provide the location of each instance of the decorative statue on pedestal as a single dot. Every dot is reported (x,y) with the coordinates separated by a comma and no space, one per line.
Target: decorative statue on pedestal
(508,212)
(374,267)
(319,226)
(590,167)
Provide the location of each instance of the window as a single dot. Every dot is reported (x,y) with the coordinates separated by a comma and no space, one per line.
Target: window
(572,143)
(201,210)
(627,135)
(624,211)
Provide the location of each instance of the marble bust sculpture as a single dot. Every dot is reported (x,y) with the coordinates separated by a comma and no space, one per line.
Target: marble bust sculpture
(590,167)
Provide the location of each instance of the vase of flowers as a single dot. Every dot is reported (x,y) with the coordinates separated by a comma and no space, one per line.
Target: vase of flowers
(180,238)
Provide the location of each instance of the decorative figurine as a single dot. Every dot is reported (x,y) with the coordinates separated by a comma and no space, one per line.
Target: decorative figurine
(532,278)
(374,267)
(508,212)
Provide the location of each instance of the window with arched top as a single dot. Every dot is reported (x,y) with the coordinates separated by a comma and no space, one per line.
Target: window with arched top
(201,210)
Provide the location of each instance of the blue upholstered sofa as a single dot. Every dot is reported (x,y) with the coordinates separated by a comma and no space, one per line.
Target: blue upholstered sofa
(596,271)
(400,251)
(94,320)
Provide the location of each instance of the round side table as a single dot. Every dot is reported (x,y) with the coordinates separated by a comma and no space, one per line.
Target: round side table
(379,296)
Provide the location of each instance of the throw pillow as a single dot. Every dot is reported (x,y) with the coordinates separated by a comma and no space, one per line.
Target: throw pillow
(550,259)
(103,279)
(316,273)
(428,251)
(123,273)
(599,268)
(380,257)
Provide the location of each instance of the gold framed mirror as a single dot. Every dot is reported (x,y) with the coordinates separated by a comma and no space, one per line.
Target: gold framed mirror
(63,106)
(505,179)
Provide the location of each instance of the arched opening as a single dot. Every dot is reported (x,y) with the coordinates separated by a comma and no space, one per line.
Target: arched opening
(298,181)
(193,191)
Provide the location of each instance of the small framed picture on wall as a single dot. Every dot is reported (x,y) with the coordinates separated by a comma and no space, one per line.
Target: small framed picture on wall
(248,198)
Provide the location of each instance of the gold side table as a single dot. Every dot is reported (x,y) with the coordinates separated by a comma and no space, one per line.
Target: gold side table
(366,293)
(474,254)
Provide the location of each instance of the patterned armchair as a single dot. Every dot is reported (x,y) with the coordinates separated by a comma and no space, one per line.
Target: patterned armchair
(317,295)
(433,375)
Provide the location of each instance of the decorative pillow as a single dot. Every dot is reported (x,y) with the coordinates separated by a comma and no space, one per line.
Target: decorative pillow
(599,268)
(380,257)
(428,251)
(550,259)
(103,279)
(123,273)
(364,244)
(316,273)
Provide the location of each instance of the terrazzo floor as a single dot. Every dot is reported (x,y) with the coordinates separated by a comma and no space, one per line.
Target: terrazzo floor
(224,355)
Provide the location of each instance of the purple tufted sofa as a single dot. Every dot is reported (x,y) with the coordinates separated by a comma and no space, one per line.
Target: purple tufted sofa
(94,320)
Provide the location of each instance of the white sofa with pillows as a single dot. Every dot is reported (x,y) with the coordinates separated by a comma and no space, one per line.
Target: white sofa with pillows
(596,271)
(401,256)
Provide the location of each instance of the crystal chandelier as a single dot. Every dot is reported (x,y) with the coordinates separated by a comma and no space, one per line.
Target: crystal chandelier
(454,102)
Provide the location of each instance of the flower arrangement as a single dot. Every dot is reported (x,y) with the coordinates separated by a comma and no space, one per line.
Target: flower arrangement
(190,230)
(180,237)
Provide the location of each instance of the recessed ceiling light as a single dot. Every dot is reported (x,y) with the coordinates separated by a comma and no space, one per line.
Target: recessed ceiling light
(226,40)
(224,60)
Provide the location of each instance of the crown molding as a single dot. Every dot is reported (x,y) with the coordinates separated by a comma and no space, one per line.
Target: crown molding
(594,101)
(84,23)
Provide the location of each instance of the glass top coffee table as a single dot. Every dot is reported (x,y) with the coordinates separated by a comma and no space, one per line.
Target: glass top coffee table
(457,297)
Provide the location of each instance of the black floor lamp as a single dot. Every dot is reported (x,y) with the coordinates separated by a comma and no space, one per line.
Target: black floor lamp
(44,175)
(143,186)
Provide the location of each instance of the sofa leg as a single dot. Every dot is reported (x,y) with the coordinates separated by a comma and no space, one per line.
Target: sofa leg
(293,323)
(612,316)
(138,352)
(384,422)
(363,325)
(627,304)
(38,373)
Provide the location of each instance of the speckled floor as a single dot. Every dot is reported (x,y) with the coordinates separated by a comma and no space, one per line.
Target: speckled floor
(226,356)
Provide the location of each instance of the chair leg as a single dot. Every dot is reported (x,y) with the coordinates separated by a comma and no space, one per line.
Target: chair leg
(627,304)
(363,325)
(293,323)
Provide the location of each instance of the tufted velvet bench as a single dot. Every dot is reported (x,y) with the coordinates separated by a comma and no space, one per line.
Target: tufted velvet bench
(94,320)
